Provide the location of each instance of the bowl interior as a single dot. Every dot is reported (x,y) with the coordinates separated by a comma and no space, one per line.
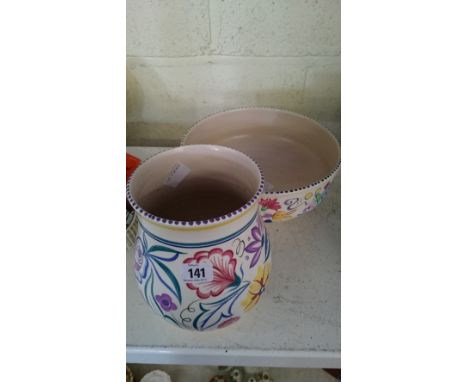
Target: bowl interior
(293,151)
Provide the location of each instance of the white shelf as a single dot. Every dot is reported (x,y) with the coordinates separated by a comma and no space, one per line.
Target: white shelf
(296,322)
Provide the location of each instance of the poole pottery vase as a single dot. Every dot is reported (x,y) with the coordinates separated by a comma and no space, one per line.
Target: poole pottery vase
(202,255)
(299,157)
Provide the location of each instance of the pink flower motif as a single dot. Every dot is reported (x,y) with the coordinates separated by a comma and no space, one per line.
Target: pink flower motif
(224,275)
(270,204)
(228,322)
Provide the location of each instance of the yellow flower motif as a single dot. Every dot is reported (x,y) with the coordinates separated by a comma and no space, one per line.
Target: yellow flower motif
(309,195)
(257,287)
(281,215)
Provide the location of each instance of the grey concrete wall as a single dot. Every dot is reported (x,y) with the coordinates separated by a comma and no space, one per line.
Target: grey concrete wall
(188,59)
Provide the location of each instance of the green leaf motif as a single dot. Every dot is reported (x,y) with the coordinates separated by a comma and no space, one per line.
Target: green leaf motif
(157,252)
(148,289)
(160,248)
(174,281)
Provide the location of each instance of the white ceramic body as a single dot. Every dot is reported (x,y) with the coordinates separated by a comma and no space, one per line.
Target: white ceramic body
(273,137)
(236,245)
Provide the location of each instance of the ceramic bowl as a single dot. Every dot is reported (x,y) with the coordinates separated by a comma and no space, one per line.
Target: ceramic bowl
(299,158)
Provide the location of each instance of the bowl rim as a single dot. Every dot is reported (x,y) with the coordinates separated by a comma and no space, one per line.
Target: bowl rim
(330,175)
(198,224)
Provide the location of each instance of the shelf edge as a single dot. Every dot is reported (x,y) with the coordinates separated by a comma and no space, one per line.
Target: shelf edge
(226,357)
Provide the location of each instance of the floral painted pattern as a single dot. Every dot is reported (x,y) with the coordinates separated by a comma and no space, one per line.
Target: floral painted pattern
(224,275)
(269,204)
(281,216)
(292,204)
(228,322)
(268,207)
(203,305)
(165,302)
(320,194)
(256,245)
(257,287)
(141,264)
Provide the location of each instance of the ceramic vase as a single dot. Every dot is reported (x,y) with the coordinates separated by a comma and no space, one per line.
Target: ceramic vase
(202,254)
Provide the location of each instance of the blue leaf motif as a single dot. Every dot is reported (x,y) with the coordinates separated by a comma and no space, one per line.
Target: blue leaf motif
(214,312)
(147,289)
(267,248)
(166,277)
(164,250)
(148,293)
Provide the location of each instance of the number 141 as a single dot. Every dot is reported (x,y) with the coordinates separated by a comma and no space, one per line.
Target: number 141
(198,273)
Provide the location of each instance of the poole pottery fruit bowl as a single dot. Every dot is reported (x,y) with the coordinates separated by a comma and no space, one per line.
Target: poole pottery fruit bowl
(299,158)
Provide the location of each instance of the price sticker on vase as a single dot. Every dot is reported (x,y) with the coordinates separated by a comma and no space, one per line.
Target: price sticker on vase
(177,175)
(197,273)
